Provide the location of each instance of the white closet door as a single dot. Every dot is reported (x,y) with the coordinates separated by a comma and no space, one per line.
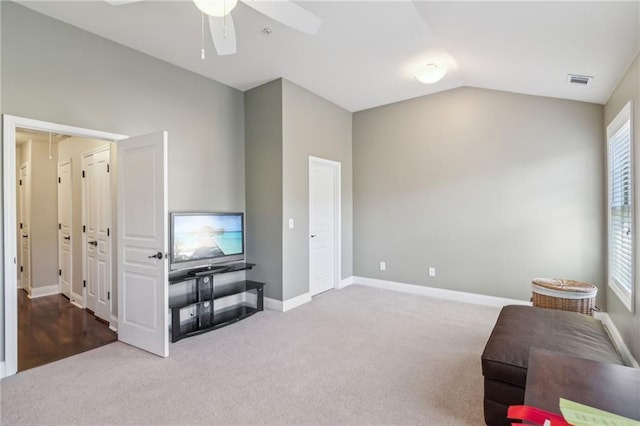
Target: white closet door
(25,228)
(65,204)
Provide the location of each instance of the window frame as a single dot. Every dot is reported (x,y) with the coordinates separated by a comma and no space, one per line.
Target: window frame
(626,296)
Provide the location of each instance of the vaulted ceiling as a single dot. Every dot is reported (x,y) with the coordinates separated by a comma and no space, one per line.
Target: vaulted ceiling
(366,52)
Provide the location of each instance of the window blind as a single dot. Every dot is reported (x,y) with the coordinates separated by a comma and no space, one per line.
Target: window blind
(621,216)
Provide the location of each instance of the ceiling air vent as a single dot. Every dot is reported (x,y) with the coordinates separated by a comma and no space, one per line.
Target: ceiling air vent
(579,80)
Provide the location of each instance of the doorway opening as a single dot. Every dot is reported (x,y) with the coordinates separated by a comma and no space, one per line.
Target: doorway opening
(324,225)
(62,205)
(36,286)
(51,328)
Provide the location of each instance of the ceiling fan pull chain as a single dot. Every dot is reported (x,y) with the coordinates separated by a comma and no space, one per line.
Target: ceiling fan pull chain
(202,35)
(224,20)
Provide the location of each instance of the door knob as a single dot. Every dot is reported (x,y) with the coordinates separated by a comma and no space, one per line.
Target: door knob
(25,236)
(93,243)
(158,255)
(67,238)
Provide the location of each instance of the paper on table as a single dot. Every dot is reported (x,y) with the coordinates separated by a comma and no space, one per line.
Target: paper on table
(583,415)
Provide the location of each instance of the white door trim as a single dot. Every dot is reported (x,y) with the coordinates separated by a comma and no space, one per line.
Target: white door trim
(84,221)
(85,264)
(9,125)
(337,217)
(60,231)
(25,199)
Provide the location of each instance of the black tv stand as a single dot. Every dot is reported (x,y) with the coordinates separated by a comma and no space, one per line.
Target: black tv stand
(196,298)
(208,270)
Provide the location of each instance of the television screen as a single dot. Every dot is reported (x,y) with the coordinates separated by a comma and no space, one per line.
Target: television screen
(201,239)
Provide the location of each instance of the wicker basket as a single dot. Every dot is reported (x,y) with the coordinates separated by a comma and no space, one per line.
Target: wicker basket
(566,295)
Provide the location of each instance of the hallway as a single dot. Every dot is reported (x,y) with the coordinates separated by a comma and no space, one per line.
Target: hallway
(51,328)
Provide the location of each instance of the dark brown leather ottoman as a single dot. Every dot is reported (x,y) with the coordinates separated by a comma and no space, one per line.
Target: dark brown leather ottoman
(519,328)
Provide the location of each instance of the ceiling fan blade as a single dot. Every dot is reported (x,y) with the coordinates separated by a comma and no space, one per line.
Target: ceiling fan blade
(223,34)
(287,13)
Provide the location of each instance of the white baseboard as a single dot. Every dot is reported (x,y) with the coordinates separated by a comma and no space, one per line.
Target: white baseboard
(77,300)
(113,324)
(615,335)
(345,282)
(459,296)
(440,293)
(2,369)
(272,304)
(479,299)
(44,291)
(228,301)
(287,305)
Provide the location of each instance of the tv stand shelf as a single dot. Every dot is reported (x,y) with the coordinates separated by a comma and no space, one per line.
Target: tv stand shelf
(208,298)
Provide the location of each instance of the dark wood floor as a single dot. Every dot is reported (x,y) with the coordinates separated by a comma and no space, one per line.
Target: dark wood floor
(52,328)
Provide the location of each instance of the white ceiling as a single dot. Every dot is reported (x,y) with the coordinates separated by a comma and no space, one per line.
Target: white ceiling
(365,53)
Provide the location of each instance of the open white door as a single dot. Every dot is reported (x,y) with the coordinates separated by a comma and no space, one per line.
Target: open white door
(143,302)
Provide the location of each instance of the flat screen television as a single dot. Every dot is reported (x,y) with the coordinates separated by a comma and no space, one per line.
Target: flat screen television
(201,239)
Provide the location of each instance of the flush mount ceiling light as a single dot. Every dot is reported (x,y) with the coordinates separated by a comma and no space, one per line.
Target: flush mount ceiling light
(217,8)
(431,73)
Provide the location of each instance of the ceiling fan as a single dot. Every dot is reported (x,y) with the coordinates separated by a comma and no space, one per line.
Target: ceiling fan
(221,26)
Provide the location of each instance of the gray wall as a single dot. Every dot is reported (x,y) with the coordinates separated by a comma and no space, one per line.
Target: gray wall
(311,126)
(628,90)
(285,124)
(54,72)
(490,188)
(263,140)
(44,215)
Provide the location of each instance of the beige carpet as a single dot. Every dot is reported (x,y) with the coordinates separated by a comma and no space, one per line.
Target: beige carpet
(353,356)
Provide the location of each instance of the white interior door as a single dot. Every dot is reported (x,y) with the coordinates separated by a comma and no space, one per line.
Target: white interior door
(143,302)
(324,184)
(97,233)
(65,200)
(25,228)
(88,250)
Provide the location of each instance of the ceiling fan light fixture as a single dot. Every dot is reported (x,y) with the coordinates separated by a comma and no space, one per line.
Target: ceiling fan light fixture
(431,73)
(217,8)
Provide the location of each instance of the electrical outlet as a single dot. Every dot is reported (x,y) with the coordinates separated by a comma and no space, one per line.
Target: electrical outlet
(432,271)
(383,266)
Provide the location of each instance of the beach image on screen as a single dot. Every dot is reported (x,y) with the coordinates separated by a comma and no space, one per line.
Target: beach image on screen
(203,236)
